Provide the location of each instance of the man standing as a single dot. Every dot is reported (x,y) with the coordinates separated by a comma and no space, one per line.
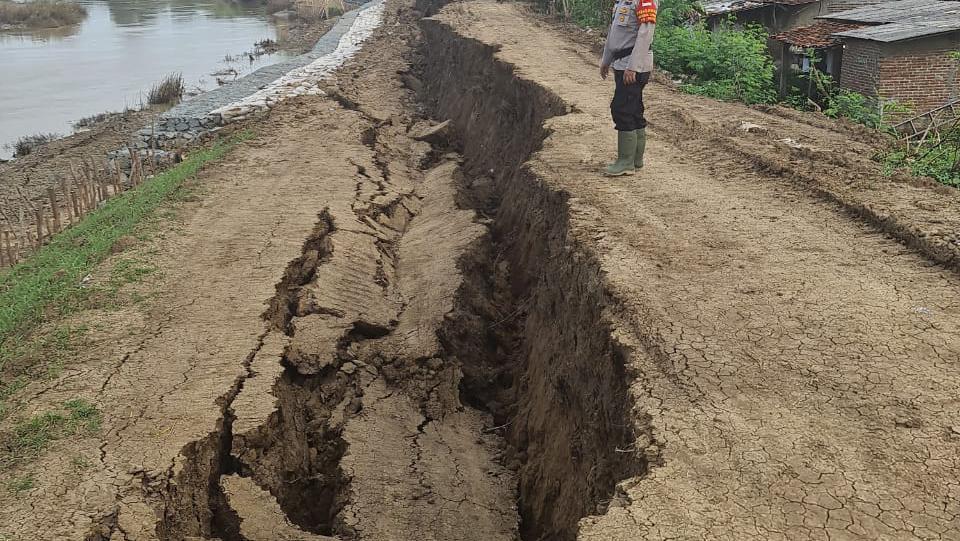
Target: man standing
(628,51)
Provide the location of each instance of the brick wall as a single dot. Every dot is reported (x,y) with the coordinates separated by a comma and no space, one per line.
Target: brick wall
(922,80)
(861,66)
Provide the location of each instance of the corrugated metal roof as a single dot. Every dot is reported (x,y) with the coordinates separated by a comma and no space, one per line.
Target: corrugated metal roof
(889,33)
(901,20)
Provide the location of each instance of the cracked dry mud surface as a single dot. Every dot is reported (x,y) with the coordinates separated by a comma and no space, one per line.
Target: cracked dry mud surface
(797,369)
(361,335)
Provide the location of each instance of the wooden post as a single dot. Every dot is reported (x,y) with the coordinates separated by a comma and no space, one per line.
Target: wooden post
(24,229)
(91,193)
(92,190)
(10,256)
(57,224)
(81,197)
(136,168)
(785,71)
(66,200)
(39,214)
(76,204)
(116,165)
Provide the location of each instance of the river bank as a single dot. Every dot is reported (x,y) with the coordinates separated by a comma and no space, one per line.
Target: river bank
(24,181)
(39,14)
(53,77)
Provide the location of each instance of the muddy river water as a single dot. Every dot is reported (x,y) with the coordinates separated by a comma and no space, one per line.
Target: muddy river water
(50,79)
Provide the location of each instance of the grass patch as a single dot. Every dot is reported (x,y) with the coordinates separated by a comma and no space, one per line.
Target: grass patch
(129,271)
(80,463)
(7,390)
(940,162)
(41,13)
(32,436)
(168,91)
(48,284)
(19,485)
(42,356)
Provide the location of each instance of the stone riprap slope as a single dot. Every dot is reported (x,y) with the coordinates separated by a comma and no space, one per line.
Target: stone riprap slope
(264,88)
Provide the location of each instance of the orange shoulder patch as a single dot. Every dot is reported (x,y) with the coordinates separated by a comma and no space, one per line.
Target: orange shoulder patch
(647,11)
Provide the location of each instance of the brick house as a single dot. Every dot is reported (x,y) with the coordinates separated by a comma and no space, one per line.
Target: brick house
(791,22)
(901,50)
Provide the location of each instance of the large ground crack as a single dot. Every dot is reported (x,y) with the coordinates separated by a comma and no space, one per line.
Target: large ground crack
(407,314)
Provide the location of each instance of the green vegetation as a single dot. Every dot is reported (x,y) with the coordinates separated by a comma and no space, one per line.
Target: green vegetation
(80,463)
(21,484)
(815,90)
(586,13)
(51,282)
(168,91)
(939,160)
(733,63)
(40,13)
(32,436)
(726,63)
(49,350)
(937,157)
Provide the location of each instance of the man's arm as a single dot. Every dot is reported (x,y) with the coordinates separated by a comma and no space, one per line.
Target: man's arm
(641,60)
(605,60)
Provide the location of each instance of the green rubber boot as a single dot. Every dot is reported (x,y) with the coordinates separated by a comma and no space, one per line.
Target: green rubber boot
(626,152)
(641,148)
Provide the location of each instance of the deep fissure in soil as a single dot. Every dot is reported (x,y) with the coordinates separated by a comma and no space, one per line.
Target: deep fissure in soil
(529,333)
(527,338)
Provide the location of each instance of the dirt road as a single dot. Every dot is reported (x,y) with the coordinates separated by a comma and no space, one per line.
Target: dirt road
(365,331)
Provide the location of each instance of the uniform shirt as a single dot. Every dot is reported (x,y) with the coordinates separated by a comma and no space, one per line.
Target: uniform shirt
(633,26)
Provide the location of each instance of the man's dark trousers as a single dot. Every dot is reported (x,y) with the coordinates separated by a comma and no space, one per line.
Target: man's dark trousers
(627,105)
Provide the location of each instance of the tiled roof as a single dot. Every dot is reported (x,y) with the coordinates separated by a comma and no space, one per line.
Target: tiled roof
(818,35)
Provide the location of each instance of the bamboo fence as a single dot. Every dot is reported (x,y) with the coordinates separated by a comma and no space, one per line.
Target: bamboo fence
(66,201)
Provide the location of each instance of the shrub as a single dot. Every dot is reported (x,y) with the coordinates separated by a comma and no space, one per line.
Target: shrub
(27,144)
(939,160)
(726,63)
(819,91)
(168,91)
(41,13)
